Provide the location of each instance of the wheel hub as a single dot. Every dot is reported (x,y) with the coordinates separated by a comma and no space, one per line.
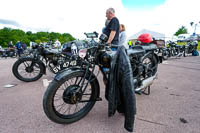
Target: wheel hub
(71,96)
(29,69)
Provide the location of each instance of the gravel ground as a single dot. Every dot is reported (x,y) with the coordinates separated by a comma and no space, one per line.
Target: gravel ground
(172,107)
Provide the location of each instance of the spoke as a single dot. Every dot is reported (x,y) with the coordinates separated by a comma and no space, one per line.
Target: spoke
(76,80)
(59,96)
(69,109)
(61,88)
(34,72)
(80,80)
(37,70)
(65,110)
(61,107)
(76,107)
(57,99)
(66,84)
(26,64)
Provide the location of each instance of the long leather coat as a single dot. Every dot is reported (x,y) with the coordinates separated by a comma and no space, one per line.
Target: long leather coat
(120,88)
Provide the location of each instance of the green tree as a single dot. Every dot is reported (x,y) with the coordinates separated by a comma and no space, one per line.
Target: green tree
(8,34)
(182,30)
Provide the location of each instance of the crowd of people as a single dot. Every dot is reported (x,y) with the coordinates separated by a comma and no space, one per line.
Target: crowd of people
(20,47)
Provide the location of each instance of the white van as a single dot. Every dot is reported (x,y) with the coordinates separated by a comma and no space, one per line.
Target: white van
(183,37)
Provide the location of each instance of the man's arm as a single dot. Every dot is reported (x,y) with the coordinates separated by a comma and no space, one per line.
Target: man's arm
(111,37)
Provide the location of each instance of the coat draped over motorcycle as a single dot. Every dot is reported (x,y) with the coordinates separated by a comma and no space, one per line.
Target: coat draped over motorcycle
(120,88)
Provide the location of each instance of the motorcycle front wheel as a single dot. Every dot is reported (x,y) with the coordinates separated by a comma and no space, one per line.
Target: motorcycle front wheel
(64,102)
(27,70)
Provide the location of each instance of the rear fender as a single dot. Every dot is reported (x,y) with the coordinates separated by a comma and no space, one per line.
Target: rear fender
(35,60)
(158,58)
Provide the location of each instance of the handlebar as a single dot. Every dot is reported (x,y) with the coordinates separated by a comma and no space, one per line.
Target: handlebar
(92,35)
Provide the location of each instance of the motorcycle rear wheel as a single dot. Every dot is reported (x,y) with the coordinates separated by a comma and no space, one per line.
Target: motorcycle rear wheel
(165,55)
(23,70)
(152,63)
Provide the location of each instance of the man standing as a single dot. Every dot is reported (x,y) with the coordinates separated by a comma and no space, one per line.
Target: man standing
(19,48)
(57,44)
(113,27)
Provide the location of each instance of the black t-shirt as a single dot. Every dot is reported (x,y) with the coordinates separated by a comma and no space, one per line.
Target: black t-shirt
(113,26)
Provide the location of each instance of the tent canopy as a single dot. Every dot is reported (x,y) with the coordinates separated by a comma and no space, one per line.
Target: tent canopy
(156,35)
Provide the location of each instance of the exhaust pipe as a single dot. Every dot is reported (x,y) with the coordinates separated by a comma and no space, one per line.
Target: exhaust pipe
(147,82)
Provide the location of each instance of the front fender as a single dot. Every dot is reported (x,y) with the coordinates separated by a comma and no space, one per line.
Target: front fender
(61,76)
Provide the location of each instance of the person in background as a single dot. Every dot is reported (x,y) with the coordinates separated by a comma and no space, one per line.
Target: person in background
(122,36)
(130,43)
(10,45)
(57,44)
(19,48)
(106,23)
(24,47)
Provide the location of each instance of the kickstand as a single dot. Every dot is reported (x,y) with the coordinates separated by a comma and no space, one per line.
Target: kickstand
(147,90)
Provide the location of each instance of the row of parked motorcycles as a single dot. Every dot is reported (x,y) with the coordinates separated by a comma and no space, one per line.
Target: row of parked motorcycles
(75,88)
(13,52)
(8,52)
(175,50)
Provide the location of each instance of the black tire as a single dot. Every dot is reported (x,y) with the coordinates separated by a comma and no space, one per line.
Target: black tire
(184,53)
(36,66)
(49,105)
(165,55)
(153,64)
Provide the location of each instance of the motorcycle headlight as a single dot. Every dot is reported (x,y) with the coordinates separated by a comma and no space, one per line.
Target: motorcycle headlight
(82,53)
(103,37)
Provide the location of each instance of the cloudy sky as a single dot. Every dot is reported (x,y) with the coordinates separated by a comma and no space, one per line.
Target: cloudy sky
(79,16)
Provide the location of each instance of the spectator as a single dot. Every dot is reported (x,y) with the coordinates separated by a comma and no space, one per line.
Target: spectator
(57,44)
(10,45)
(19,48)
(24,47)
(122,36)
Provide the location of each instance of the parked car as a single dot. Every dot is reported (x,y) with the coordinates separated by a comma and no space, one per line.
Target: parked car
(183,37)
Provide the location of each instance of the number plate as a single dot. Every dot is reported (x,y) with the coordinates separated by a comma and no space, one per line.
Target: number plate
(65,65)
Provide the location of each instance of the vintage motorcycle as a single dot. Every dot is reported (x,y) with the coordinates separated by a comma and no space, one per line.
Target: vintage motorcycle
(190,47)
(8,52)
(31,68)
(175,50)
(74,91)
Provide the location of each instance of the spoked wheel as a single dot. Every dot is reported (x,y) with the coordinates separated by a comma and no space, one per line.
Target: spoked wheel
(151,63)
(64,102)
(27,70)
(165,55)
